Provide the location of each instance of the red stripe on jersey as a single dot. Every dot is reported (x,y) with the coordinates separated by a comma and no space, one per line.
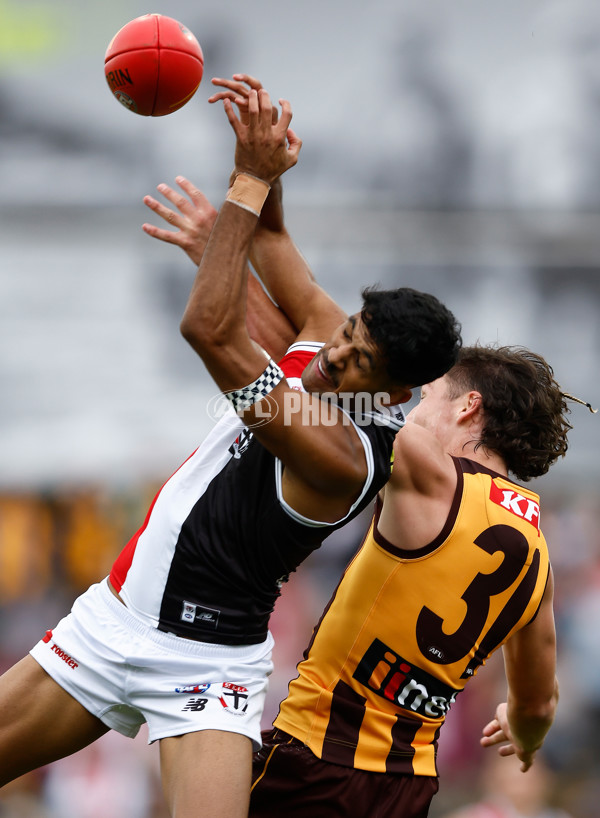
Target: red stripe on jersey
(295,362)
(122,564)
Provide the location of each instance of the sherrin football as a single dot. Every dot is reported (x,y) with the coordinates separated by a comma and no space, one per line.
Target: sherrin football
(153,65)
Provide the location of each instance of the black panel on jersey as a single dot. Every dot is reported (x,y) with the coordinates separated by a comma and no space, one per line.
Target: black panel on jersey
(238,544)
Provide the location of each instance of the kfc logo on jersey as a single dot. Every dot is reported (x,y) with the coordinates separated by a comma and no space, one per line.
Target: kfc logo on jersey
(387,674)
(234,698)
(523,507)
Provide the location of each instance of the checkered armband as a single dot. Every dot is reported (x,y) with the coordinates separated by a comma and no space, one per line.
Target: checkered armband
(242,399)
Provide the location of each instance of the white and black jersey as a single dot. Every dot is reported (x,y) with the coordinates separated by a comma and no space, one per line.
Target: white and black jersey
(219,539)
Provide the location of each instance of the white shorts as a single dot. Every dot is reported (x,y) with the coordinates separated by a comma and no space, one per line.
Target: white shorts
(127,673)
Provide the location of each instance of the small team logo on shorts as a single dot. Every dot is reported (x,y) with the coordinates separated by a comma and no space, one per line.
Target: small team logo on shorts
(234,698)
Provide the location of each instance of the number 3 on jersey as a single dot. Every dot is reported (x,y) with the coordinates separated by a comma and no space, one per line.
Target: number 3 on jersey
(446,648)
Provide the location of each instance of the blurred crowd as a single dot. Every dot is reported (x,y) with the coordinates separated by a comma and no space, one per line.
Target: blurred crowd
(53,545)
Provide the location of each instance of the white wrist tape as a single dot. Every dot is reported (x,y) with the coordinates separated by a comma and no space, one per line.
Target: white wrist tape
(242,399)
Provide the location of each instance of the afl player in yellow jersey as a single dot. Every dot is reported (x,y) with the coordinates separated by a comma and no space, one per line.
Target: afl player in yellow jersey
(453,567)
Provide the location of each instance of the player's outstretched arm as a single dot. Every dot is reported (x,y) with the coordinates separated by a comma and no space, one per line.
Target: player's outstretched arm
(327,458)
(274,255)
(215,318)
(522,722)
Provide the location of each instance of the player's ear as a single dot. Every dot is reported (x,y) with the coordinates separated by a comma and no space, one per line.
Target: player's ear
(470,405)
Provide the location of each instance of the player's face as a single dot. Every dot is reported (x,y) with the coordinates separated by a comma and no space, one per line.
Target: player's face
(435,410)
(350,362)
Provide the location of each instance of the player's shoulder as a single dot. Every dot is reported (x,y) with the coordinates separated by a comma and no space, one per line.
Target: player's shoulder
(419,458)
(415,443)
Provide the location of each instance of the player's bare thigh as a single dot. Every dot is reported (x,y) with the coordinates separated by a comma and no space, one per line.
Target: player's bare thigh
(207,772)
(39,721)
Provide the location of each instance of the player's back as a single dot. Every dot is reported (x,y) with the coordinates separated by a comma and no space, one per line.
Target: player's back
(405,630)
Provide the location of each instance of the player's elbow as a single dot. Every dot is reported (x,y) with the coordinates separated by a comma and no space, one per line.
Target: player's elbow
(193,332)
(203,332)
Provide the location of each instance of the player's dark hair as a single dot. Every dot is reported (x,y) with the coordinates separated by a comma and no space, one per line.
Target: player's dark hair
(417,335)
(525,410)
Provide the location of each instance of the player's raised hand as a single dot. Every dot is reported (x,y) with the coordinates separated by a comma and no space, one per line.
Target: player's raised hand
(237,90)
(265,148)
(193,217)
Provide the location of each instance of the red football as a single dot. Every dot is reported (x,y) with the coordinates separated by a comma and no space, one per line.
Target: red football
(153,65)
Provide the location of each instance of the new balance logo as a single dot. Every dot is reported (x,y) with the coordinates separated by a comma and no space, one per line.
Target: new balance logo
(195,705)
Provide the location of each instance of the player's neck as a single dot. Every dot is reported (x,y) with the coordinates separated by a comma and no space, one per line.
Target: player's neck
(485,457)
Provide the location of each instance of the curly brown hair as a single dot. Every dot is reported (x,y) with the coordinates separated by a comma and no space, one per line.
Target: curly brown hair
(525,410)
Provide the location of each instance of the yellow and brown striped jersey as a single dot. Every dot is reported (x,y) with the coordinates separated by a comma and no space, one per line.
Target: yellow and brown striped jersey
(405,630)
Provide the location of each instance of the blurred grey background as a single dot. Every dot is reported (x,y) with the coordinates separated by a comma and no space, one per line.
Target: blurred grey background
(452,147)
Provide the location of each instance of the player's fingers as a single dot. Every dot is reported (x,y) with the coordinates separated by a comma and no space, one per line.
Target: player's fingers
(242,105)
(265,106)
(162,234)
(249,80)
(493,738)
(241,102)
(223,95)
(230,113)
(491,727)
(253,106)
(161,210)
(294,143)
(286,115)
(181,203)
(195,194)
(233,85)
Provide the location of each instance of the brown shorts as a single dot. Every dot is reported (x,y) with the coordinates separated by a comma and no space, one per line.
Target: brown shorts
(290,781)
